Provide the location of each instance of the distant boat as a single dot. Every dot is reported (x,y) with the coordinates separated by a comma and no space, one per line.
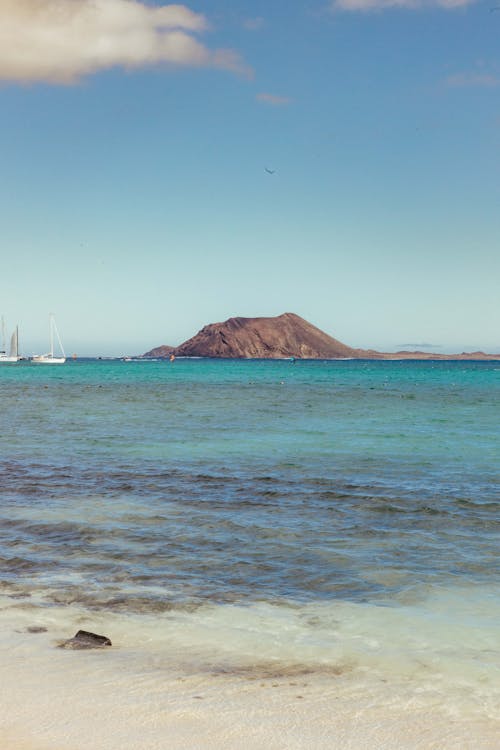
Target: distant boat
(49,358)
(13,355)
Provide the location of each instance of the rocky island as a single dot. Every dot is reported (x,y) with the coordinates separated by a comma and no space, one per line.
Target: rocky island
(284,336)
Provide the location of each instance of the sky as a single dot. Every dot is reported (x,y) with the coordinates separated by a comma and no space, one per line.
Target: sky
(167,166)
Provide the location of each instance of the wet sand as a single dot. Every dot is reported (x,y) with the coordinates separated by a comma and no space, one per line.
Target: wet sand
(52,699)
(230,716)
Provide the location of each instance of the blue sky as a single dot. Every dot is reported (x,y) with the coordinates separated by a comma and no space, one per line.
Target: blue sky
(135,201)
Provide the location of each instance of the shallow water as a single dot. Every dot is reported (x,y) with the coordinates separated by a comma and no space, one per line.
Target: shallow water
(338,517)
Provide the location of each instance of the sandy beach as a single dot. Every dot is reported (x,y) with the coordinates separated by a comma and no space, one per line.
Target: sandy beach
(228,713)
(151,691)
(85,709)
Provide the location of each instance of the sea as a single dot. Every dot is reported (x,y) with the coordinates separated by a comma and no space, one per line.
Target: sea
(255,524)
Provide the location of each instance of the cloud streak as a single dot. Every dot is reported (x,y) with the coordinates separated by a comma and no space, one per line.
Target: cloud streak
(59,41)
(481,80)
(422,345)
(273,99)
(373,5)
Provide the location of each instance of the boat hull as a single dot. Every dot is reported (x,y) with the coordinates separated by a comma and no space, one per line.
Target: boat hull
(42,360)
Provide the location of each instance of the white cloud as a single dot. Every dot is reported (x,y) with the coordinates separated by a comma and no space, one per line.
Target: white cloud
(483,80)
(61,40)
(368,5)
(273,99)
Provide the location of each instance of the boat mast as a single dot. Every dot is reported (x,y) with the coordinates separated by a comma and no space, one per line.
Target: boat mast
(51,327)
(59,339)
(53,330)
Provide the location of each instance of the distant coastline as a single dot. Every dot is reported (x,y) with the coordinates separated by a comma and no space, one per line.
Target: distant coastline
(286,336)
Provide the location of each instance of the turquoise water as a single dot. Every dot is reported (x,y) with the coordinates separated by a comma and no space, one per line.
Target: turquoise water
(144,486)
(258,518)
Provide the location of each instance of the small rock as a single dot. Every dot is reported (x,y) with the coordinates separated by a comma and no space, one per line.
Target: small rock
(84,639)
(36,629)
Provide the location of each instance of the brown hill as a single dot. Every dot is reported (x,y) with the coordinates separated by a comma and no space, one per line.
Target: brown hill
(286,335)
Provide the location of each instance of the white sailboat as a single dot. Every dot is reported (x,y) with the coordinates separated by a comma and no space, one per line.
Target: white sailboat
(13,355)
(49,358)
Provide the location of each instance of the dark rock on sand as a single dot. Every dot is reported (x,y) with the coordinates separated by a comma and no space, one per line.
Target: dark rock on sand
(36,629)
(84,639)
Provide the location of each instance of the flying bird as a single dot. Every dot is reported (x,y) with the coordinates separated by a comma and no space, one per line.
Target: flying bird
(270,171)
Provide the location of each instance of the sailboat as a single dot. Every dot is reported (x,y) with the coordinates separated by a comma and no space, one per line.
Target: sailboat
(49,358)
(13,355)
